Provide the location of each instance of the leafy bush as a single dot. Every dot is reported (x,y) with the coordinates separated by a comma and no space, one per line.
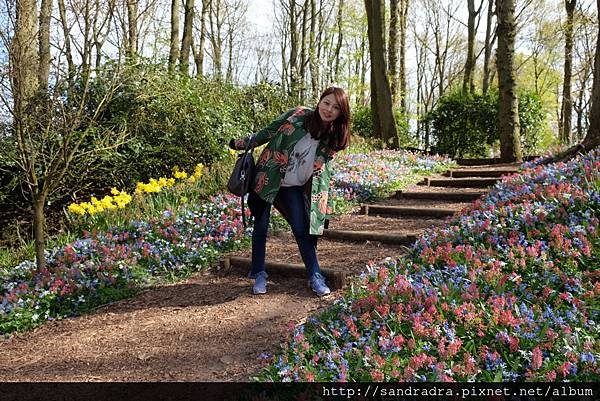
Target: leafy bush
(467,125)
(177,120)
(362,125)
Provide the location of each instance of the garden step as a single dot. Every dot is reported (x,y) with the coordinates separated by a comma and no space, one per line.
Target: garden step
(464,173)
(493,161)
(460,182)
(405,211)
(441,196)
(361,236)
(335,279)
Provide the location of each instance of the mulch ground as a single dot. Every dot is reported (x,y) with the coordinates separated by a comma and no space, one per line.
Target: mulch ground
(206,328)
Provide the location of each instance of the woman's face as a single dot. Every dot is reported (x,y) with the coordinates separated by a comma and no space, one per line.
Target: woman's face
(329,109)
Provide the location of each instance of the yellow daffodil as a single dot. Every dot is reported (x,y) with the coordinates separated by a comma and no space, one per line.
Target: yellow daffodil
(232,152)
(180,175)
(114,191)
(192,179)
(171,182)
(198,170)
(76,209)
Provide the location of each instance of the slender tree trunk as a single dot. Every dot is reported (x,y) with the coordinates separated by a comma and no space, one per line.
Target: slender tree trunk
(402,53)
(567,101)
(468,84)
(340,38)
(363,70)
(132,16)
(86,56)
(186,40)
(489,43)
(382,113)
(294,47)
(508,107)
(215,17)
(39,229)
(592,138)
(313,62)
(174,48)
(44,44)
(394,39)
(303,52)
(229,73)
(24,74)
(68,51)
(206,4)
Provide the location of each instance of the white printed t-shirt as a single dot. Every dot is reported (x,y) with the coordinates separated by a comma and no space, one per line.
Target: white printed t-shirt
(301,162)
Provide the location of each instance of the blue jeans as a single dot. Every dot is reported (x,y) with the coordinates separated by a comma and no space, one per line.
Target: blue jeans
(291,199)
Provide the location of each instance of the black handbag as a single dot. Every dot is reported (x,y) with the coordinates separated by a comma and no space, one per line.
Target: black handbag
(243,174)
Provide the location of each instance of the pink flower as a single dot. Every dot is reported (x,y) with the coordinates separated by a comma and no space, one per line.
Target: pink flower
(377,375)
(536,358)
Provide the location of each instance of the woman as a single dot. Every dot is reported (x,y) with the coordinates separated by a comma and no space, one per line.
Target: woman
(293,173)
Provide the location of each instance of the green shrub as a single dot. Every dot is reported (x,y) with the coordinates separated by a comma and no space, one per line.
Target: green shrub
(174,120)
(467,125)
(362,125)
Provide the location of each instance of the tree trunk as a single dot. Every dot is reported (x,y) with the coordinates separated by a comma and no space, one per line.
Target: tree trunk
(567,101)
(174,48)
(592,138)
(489,43)
(199,55)
(132,15)
(312,59)
(303,52)
(509,128)
(402,68)
(44,44)
(294,46)
(39,227)
(24,74)
(363,69)
(216,23)
(382,113)
(340,38)
(186,40)
(468,84)
(394,39)
(68,53)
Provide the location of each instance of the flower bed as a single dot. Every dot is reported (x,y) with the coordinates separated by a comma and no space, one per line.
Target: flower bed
(505,291)
(103,266)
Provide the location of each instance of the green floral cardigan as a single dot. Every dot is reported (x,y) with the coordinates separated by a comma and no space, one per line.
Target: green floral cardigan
(282,135)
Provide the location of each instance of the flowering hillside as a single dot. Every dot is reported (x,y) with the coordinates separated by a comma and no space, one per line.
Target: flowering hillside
(508,290)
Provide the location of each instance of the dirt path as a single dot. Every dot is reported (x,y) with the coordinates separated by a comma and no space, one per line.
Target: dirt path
(207,328)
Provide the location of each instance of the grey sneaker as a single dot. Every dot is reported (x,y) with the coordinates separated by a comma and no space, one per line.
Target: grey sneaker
(317,284)
(260,283)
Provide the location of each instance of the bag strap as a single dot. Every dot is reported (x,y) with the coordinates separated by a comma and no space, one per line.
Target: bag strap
(249,148)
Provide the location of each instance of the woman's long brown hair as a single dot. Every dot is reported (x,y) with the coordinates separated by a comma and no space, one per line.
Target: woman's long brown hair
(339,130)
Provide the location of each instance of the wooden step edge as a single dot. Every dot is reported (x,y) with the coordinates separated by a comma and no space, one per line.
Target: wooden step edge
(479,173)
(464,182)
(362,236)
(405,211)
(490,161)
(335,279)
(444,196)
